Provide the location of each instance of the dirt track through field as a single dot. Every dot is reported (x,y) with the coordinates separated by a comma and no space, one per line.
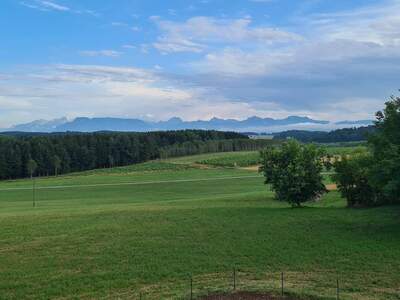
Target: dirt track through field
(128,183)
(330,187)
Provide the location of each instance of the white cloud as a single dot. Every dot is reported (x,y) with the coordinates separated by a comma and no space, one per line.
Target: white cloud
(47,5)
(52,5)
(44,5)
(96,90)
(118,24)
(232,61)
(368,33)
(176,44)
(125,25)
(197,33)
(129,46)
(109,53)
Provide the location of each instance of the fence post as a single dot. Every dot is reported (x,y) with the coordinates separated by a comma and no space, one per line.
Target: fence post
(337,289)
(191,288)
(282,292)
(234,279)
(34,193)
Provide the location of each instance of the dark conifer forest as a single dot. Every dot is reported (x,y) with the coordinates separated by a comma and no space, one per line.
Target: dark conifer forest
(53,154)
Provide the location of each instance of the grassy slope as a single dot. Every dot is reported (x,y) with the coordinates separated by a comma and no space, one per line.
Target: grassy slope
(103,241)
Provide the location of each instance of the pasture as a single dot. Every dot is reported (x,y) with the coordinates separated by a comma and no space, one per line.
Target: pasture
(116,233)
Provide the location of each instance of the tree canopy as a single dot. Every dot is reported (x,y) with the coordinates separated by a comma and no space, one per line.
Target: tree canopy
(294,172)
(374,179)
(385,148)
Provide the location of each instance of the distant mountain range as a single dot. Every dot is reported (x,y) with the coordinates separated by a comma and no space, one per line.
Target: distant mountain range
(359,122)
(256,124)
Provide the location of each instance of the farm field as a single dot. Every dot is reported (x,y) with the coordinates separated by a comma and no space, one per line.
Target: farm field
(146,229)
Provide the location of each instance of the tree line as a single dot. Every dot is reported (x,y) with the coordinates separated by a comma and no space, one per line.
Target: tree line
(212,146)
(334,136)
(24,155)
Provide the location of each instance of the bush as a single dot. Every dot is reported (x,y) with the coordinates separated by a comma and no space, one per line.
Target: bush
(352,178)
(294,172)
(374,179)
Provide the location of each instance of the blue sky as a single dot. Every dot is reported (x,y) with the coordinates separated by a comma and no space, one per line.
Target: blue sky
(197,59)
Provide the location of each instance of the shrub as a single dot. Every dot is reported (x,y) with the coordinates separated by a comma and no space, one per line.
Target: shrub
(352,178)
(294,172)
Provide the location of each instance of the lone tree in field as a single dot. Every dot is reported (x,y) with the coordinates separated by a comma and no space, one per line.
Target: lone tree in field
(294,172)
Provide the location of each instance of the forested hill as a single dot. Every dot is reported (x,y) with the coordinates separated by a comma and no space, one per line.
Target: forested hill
(335,136)
(51,154)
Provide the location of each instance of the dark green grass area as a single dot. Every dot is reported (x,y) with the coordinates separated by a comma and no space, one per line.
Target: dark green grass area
(157,228)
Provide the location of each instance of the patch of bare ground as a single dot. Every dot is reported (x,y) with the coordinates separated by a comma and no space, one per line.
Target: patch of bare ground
(252,168)
(331,187)
(201,166)
(246,296)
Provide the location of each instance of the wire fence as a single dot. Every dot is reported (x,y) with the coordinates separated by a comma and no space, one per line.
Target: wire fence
(243,284)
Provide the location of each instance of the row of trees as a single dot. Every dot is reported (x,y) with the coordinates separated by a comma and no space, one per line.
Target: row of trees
(197,147)
(364,179)
(51,154)
(334,136)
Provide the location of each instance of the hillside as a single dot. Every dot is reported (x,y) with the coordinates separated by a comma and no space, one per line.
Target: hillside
(143,231)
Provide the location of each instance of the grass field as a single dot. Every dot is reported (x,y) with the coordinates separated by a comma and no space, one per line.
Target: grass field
(114,233)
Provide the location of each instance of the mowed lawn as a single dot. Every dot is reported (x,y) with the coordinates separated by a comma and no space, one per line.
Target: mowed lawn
(149,228)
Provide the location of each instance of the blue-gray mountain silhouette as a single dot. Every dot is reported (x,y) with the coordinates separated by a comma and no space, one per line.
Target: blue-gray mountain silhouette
(85,124)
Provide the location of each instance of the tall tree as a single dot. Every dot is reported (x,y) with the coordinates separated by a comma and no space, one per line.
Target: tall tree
(385,146)
(31,167)
(56,164)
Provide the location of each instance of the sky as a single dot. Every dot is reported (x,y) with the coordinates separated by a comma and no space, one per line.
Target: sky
(197,59)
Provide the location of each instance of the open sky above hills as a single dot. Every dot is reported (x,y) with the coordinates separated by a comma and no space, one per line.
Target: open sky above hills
(330,60)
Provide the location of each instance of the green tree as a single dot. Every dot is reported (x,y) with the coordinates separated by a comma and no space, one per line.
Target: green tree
(294,172)
(31,166)
(385,148)
(56,164)
(353,180)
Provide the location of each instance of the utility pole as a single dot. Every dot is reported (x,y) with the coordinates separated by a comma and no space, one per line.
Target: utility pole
(34,192)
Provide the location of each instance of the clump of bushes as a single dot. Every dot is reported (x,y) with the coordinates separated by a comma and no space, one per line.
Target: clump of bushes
(374,179)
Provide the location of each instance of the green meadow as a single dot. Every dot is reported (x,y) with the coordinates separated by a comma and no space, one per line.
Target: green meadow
(145,230)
